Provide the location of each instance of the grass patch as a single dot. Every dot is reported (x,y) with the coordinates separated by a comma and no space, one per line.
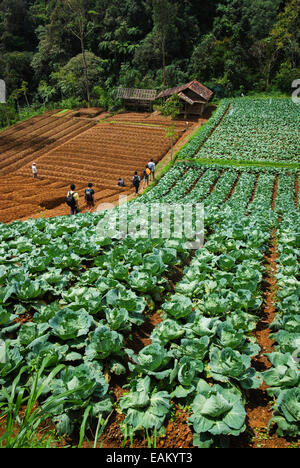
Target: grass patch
(64,111)
(134,124)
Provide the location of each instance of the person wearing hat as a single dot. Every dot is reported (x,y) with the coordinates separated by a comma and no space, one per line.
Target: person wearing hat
(34,170)
(151,165)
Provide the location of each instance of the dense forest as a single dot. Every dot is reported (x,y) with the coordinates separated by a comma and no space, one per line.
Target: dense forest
(79,51)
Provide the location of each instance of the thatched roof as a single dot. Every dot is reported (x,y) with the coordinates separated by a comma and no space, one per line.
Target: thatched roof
(132,93)
(199,89)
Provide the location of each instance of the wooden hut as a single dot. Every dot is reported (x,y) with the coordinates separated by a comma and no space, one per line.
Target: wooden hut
(137,99)
(194,95)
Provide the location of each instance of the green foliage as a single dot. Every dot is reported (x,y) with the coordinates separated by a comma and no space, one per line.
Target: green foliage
(171,108)
(70,78)
(285,76)
(233,47)
(83,318)
(217,411)
(59,365)
(287,413)
(145,407)
(273,142)
(24,429)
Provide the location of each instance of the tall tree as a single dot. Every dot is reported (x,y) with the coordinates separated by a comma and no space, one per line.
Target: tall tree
(80,25)
(286,32)
(266,54)
(164,14)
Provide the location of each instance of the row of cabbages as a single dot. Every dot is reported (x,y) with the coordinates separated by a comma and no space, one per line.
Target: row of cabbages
(255,130)
(191,149)
(84,294)
(204,345)
(283,378)
(87,293)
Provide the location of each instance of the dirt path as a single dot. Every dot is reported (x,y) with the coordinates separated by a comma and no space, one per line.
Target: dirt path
(188,134)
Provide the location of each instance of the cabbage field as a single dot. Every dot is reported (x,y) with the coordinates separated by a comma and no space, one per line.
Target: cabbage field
(123,337)
(250,130)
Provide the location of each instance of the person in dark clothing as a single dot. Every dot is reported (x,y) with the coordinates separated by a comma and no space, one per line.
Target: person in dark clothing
(73,200)
(121,182)
(136,180)
(89,196)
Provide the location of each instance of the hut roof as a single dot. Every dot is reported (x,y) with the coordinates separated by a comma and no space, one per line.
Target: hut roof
(194,86)
(191,101)
(133,93)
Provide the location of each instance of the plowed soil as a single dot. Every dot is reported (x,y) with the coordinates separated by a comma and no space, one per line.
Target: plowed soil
(69,149)
(26,142)
(103,153)
(24,197)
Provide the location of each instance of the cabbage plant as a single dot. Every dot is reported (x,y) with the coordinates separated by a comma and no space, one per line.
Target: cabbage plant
(216,411)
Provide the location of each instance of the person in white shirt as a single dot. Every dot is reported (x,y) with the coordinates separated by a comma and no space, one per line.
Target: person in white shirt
(73,200)
(34,170)
(151,165)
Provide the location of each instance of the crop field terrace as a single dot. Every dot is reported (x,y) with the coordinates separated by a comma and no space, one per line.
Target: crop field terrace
(253,130)
(137,341)
(105,152)
(69,149)
(256,130)
(27,141)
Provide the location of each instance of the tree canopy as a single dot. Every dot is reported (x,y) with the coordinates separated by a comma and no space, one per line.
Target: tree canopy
(75,46)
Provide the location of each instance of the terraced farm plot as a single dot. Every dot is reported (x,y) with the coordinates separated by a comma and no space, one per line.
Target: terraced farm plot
(168,344)
(22,197)
(249,189)
(69,149)
(103,153)
(154,119)
(27,141)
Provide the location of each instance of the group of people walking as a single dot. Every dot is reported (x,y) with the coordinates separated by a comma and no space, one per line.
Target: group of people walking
(148,175)
(73,198)
(89,193)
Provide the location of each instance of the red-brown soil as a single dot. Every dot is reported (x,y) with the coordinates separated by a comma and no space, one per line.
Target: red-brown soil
(24,197)
(26,142)
(259,410)
(259,407)
(103,153)
(69,149)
